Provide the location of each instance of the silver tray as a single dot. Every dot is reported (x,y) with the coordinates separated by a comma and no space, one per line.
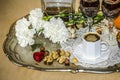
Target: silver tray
(12,49)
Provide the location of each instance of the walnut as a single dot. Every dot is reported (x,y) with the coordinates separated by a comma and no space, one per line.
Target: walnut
(55,55)
(67,62)
(42,48)
(48,60)
(62,53)
(61,59)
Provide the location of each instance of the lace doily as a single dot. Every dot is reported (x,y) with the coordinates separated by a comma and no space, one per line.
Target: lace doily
(114,56)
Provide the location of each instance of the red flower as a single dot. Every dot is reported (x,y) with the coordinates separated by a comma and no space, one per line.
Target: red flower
(38,56)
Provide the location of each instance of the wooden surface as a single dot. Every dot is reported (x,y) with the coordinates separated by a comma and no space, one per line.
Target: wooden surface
(11,10)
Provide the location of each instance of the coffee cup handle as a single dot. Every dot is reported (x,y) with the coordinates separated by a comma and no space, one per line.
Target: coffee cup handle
(104,46)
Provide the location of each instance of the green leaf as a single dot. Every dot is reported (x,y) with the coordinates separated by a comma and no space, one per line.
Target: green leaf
(63,11)
(98,17)
(62,15)
(47,18)
(35,46)
(100,14)
(41,30)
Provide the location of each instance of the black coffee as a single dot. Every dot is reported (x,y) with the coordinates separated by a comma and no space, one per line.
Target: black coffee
(91,37)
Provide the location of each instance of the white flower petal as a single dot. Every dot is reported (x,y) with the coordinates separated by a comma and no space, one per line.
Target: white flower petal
(23,33)
(55,30)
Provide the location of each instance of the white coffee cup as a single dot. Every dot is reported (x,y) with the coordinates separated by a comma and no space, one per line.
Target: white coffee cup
(93,46)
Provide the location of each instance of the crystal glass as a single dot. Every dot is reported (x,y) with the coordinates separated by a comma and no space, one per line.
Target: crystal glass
(111,9)
(89,9)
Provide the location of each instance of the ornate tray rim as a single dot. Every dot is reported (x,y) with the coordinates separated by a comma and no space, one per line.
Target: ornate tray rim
(110,69)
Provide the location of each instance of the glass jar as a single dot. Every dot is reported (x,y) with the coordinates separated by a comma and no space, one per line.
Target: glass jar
(52,7)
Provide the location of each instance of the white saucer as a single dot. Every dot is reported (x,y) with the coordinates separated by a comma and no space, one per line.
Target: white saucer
(78,53)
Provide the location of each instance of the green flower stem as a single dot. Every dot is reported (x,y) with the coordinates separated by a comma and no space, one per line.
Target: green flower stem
(75,18)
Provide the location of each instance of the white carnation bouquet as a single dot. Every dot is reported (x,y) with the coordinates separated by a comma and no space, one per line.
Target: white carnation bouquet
(54,29)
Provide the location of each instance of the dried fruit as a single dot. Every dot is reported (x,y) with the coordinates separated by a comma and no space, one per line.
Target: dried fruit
(99,30)
(46,52)
(61,59)
(67,62)
(74,60)
(48,60)
(58,51)
(67,54)
(55,55)
(42,49)
(62,53)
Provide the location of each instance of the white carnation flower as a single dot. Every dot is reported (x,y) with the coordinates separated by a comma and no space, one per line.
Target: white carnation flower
(55,30)
(23,33)
(35,18)
(22,24)
(37,12)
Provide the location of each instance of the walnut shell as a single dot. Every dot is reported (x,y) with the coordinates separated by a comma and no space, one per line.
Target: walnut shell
(55,55)
(62,53)
(61,59)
